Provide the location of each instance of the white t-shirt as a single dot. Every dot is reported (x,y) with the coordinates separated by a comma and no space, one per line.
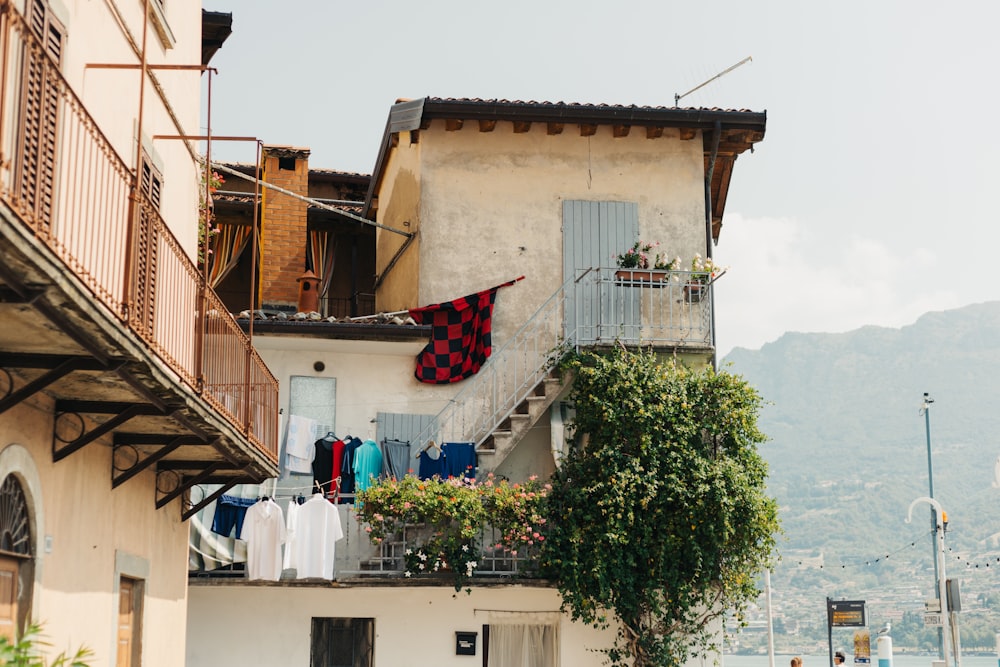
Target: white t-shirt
(317,529)
(264,533)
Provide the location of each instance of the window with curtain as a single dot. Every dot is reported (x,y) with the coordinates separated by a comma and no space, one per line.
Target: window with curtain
(523,640)
(320,253)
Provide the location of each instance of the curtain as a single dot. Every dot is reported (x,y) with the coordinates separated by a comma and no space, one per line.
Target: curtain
(319,257)
(227,246)
(524,640)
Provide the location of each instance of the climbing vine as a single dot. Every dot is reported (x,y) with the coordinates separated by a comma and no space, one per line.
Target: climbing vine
(659,518)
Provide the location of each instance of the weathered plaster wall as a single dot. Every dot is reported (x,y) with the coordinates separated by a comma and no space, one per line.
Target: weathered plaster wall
(491,205)
(399,208)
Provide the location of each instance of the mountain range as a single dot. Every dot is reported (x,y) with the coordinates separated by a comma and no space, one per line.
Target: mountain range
(848,454)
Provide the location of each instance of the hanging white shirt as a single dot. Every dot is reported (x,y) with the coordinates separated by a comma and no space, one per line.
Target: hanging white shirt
(317,529)
(264,533)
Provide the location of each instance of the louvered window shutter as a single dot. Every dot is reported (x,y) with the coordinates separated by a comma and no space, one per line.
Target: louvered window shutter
(39,111)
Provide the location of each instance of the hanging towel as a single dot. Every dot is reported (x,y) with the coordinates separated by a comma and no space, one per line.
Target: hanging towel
(460,336)
(299,444)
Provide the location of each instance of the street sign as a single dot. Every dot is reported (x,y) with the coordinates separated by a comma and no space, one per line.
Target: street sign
(933,619)
(846,613)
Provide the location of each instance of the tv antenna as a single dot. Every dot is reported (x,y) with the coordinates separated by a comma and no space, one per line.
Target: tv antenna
(677,98)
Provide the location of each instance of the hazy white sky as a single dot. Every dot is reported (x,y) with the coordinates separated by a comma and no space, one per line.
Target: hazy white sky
(868,202)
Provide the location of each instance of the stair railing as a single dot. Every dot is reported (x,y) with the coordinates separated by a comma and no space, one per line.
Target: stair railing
(511,373)
(669,310)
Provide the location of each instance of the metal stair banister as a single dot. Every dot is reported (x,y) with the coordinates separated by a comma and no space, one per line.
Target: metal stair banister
(511,373)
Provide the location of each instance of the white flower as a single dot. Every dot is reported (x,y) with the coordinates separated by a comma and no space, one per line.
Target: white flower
(407,574)
(465,547)
(422,556)
(409,551)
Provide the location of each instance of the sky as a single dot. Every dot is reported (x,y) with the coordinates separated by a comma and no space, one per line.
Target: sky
(869,201)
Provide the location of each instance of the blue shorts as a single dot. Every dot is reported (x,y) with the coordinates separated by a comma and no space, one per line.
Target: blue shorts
(229,513)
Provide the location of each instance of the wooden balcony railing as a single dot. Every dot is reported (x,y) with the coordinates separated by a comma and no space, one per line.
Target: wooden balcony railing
(66,183)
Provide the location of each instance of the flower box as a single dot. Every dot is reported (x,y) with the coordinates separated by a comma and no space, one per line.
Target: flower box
(654,277)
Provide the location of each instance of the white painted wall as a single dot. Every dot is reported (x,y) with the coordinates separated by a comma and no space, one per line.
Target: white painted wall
(371,376)
(414,626)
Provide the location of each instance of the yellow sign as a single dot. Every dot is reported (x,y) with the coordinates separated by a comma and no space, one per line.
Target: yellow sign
(862,647)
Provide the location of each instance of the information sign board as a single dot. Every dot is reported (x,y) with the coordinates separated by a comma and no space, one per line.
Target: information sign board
(846,613)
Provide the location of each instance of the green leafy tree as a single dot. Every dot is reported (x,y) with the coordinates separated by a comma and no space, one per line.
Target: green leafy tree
(659,518)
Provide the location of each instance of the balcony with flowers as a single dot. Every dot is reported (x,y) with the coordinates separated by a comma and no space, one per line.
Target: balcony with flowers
(650,298)
(453,530)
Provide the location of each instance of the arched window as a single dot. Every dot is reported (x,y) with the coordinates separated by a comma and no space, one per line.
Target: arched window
(16,564)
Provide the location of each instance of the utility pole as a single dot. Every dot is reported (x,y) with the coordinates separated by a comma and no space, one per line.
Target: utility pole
(926,410)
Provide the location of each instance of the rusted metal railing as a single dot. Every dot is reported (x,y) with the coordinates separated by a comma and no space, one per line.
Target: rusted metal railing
(66,183)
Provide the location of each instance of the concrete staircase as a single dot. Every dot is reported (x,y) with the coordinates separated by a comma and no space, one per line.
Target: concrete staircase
(504,438)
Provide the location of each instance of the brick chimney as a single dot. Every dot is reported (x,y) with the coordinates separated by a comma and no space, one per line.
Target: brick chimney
(283,231)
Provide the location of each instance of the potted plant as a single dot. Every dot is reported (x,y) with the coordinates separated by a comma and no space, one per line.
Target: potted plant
(650,266)
(703,272)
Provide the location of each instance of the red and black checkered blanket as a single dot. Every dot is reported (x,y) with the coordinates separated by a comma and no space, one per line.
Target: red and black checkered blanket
(460,336)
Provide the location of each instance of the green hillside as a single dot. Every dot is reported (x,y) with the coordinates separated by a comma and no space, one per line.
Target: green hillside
(848,455)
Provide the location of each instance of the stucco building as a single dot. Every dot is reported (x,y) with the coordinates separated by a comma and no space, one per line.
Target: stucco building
(123,381)
(466,195)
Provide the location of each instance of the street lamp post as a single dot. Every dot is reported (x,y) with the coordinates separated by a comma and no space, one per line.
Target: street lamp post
(939,561)
(938,577)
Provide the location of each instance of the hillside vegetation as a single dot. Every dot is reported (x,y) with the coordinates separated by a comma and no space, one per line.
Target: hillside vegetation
(848,455)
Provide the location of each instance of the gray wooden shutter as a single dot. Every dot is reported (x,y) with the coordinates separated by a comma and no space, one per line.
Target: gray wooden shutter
(405,428)
(593,233)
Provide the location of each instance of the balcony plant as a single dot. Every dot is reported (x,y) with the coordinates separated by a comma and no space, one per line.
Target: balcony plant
(650,265)
(206,214)
(454,513)
(703,271)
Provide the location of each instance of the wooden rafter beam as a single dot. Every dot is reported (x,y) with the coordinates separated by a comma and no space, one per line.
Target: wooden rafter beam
(654,132)
(619,131)
(554,128)
(521,126)
(487,125)
(688,133)
(588,129)
(453,124)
